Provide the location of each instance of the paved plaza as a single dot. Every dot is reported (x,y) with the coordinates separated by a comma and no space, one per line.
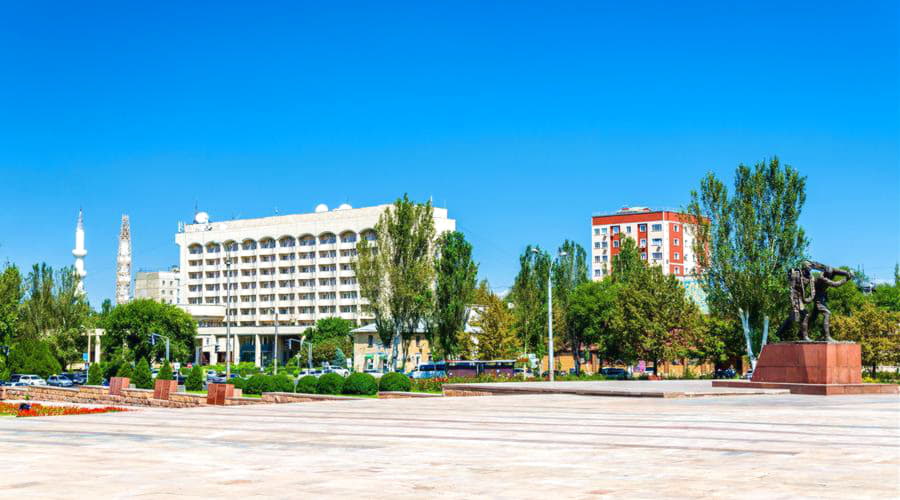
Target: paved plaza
(525,446)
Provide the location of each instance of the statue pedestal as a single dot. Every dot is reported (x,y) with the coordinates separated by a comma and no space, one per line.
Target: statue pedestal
(819,368)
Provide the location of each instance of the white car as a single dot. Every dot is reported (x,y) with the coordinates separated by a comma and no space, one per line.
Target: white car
(27,380)
(307,371)
(340,371)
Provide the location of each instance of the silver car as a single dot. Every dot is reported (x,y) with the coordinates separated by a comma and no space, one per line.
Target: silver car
(59,381)
(18,379)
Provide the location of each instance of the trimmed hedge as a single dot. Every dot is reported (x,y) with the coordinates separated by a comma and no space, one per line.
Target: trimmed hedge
(360,383)
(307,385)
(282,383)
(165,372)
(330,383)
(194,380)
(394,382)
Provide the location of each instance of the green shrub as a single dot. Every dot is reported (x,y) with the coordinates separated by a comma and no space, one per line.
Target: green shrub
(142,377)
(360,383)
(282,383)
(165,372)
(307,385)
(125,370)
(239,382)
(194,381)
(394,382)
(257,384)
(330,383)
(95,375)
(32,357)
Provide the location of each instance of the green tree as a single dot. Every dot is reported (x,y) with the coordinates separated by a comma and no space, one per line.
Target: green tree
(876,330)
(456,274)
(529,298)
(492,316)
(746,242)
(324,351)
(569,272)
(143,378)
(396,273)
(165,372)
(10,300)
(887,296)
(194,381)
(55,311)
(33,356)
(131,325)
(328,328)
(628,261)
(125,370)
(592,309)
(719,340)
(656,321)
(846,299)
(339,359)
(95,375)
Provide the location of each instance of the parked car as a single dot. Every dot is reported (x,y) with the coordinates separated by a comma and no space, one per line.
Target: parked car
(615,373)
(59,381)
(211,374)
(333,369)
(725,373)
(19,380)
(306,371)
(77,378)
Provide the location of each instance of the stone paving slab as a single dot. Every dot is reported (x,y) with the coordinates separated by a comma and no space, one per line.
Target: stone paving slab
(529,446)
(621,388)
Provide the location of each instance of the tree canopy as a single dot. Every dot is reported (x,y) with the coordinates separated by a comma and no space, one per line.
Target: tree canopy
(493,316)
(591,312)
(529,296)
(455,277)
(396,272)
(569,271)
(876,330)
(129,326)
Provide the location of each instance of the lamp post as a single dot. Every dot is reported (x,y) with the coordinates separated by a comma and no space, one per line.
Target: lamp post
(551,367)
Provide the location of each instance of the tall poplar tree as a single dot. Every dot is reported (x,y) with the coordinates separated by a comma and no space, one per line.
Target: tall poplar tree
(396,273)
(529,298)
(569,272)
(456,275)
(745,242)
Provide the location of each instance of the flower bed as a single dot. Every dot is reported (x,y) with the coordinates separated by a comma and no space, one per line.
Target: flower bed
(38,410)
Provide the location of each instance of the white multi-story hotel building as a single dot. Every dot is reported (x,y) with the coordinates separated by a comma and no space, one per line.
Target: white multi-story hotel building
(279,273)
(663,238)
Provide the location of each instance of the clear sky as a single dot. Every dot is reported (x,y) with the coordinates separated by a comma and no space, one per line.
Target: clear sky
(523,118)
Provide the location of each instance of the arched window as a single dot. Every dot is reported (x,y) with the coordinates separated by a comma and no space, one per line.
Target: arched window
(348,237)
(195,248)
(326,238)
(307,240)
(287,241)
(248,244)
(213,248)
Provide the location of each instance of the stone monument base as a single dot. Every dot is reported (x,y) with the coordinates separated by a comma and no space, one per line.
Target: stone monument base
(819,368)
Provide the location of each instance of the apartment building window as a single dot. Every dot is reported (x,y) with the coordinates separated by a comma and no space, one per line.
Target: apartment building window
(675,228)
(605,258)
(657,256)
(195,249)
(328,268)
(348,309)
(677,256)
(327,309)
(643,242)
(327,281)
(194,262)
(348,281)
(194,300)
(348,238)
(328,253)
(676,242)
(348,253)
(616,244)
(327,295)
(657,242)
(596,231)
(628,229)
(642,228)
(656,227)
(677,270)
(643,255)
(348,295)
(267,258)
(231,247)
(598,272)
(615,230)
(249,245)
(596,258)
(602,230)
(371,341)
(596,244)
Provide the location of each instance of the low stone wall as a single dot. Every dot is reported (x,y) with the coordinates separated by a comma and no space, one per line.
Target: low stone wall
(98,395)
(456,393)
(400,394)
(290,397)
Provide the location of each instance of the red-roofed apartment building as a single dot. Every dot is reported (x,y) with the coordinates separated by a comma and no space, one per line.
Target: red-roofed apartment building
(663,237)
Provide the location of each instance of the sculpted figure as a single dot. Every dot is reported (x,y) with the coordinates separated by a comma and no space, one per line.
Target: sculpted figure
(821,285)
(801,287)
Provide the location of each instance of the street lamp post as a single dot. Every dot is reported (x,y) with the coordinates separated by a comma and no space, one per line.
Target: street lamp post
(154,336)
(309,355)
(551,367)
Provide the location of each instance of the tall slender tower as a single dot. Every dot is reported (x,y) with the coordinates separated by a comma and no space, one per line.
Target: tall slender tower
(123,263)
(79,252)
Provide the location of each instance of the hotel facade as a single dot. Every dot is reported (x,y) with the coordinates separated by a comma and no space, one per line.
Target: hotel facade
(277,276)
(664,238)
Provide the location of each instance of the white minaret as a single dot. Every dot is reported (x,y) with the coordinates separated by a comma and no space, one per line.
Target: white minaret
(79,252)
(123,263)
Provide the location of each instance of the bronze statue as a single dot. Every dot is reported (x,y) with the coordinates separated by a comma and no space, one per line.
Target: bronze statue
(821,284)
(799,280)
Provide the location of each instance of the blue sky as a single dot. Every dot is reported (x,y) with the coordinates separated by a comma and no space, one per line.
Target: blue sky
(523,118)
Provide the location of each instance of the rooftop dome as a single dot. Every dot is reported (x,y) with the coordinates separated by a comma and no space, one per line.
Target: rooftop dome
(321,207)
(201,218)
(344,206)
